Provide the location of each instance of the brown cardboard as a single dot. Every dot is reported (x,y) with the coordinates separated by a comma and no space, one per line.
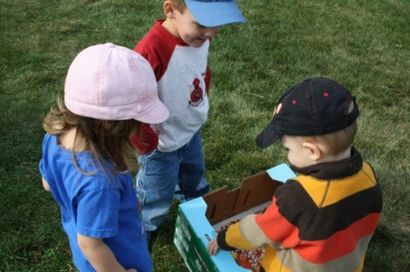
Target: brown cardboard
(254,190)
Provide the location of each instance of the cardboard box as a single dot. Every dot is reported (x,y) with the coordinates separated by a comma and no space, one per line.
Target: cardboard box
(198,219)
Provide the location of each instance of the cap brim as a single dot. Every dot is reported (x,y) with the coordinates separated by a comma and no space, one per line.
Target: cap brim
(213,14)
(267,136)
(155,112)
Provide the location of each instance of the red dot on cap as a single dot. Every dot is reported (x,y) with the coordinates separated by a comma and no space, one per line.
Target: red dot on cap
(294,102)
(325,94)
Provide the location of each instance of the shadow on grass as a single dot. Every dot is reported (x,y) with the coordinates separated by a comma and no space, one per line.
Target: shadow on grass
(386,251)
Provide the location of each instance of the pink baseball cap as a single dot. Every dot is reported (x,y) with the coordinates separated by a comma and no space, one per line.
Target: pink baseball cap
(111,82)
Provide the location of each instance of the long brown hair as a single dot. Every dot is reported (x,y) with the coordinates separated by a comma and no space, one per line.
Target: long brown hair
(107,140)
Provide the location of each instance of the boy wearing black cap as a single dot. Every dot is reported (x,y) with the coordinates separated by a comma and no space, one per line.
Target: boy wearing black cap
(177,49)
(323,219)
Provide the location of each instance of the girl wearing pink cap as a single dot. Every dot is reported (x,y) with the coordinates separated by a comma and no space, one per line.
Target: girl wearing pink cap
(109,91)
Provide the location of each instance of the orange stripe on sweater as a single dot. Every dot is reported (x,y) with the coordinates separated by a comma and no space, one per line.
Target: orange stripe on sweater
(339,244)
(278,229)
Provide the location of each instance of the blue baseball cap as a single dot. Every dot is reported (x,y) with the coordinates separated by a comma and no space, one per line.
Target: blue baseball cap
(213,13)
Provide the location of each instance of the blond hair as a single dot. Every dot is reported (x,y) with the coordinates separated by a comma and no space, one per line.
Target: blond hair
(107,140)
(339,141)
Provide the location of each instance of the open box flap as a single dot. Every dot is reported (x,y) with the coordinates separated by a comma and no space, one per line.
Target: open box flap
(254,190)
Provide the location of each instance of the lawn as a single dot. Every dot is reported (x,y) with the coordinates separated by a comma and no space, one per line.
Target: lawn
(363,44)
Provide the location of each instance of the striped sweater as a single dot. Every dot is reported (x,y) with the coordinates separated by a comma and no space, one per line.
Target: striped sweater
(322,220)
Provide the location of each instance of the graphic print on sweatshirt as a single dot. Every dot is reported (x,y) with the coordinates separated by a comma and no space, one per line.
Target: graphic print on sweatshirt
(182,89)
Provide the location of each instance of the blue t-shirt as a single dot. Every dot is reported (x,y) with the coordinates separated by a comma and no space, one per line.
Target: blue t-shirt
(95,204)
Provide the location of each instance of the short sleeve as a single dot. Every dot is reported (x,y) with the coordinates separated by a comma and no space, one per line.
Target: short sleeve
(42,165)
(97,212)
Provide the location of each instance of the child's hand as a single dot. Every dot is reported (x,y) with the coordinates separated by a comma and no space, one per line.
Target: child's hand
(45,185)
(213,247)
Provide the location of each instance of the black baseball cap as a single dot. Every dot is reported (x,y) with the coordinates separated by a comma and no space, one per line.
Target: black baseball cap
(316,106)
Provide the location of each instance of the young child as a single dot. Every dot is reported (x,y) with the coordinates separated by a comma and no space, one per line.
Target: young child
(177,49)
(323,219)
(109,90)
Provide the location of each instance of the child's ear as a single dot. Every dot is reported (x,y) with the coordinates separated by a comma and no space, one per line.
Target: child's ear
(313,150)
(168,9)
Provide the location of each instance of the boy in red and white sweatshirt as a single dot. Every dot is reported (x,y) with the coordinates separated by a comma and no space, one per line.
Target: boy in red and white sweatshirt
(177,49)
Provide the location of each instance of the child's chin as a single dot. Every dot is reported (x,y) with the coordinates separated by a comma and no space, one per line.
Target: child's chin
(197,43)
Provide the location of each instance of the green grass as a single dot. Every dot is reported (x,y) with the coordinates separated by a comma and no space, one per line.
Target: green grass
(365,45)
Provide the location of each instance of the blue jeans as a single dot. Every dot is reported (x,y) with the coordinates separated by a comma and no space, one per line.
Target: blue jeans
(159,175)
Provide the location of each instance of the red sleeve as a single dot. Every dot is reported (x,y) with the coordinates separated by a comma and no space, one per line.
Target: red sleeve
(208,78)
(149,54)
(146,141)
(157,47)
(276,227)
